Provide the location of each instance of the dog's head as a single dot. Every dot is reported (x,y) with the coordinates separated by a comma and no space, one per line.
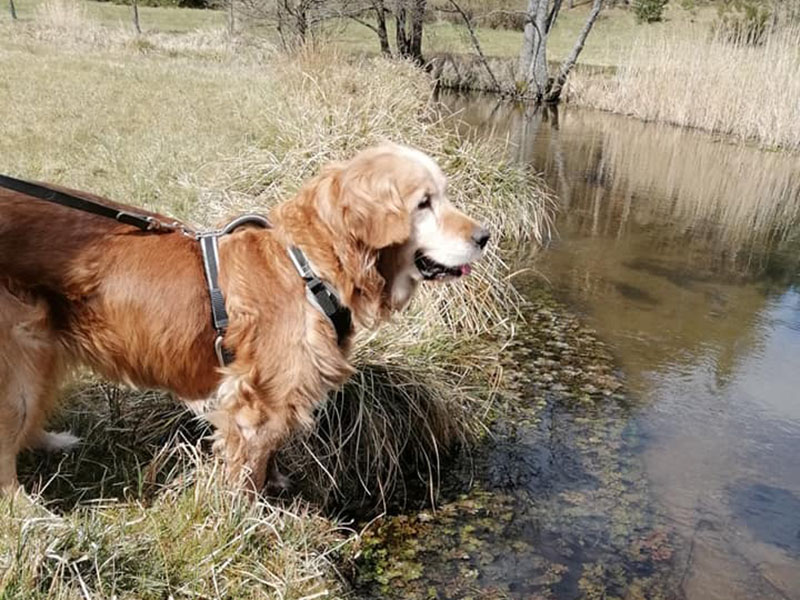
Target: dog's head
(393,199)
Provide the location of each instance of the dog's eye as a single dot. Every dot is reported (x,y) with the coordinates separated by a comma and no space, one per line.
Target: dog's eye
(425,203)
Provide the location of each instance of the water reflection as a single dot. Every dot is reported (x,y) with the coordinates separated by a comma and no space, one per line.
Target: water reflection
(684,253)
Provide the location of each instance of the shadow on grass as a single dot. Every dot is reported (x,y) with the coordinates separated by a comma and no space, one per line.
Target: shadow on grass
(123,434)
(376,445)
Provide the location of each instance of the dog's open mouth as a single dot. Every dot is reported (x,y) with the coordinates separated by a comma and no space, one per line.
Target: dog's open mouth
(430,269)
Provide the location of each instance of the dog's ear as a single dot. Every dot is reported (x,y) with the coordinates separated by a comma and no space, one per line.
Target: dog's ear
(373,210)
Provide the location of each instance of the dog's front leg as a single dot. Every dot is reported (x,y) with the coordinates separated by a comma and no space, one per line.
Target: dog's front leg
(247,439)
(8,470)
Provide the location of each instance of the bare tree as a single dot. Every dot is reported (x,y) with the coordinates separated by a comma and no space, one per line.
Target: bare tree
(476,43)
(136,24)
(532,68)
(410,19)
(13,9)
(557,86)
(409,16)
(361,15)
(533,77)
(231,19)
(295,20)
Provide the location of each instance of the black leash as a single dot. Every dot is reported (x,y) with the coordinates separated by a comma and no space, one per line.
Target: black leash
(320,294)
(143,222)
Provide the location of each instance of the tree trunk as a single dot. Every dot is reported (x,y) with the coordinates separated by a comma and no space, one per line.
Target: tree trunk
(409,28)
(532,69)
(301,24)
(231,19)
(380,29)
(136,24)
(383,34)
(554,93)
(400,29)
(13,9)
(552,16)
(417,23)
(280,27)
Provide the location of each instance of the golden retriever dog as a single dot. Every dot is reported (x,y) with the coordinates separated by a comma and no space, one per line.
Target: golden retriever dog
(79,289)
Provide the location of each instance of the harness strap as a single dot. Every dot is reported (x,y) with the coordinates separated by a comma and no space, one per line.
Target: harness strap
(143,222)
(209,246)
(322,296)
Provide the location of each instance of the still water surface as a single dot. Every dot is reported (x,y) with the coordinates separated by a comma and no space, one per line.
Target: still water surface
(683,252)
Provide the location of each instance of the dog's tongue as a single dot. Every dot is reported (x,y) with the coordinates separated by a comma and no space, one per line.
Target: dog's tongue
(466,269)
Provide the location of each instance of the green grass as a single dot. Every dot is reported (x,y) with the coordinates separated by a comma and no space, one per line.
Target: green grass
(202,127)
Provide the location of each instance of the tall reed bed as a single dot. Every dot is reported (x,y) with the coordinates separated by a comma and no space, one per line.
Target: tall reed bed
(137,511)
(698,80)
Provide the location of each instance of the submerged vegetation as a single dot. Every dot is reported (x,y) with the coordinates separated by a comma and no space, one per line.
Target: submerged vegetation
(199,126)
(557,507)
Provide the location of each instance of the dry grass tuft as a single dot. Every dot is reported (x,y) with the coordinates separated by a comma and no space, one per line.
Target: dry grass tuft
(63,16)
(749,92)
(191,539)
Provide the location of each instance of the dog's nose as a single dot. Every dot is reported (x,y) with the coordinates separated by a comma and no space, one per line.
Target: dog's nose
(481,237)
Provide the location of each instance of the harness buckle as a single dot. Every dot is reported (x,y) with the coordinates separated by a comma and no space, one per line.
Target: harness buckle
(219,350)
(301,264)
(129,218)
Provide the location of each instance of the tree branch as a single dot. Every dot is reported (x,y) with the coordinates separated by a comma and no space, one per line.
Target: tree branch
(554,94)
(551,18)
(476,44)
(362,22)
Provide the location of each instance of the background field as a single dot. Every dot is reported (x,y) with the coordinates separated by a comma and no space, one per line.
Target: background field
(613,35)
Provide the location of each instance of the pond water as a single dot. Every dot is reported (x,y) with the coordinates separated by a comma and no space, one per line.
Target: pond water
(682,252)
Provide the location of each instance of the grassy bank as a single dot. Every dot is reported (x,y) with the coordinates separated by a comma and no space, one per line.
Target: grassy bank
(200,127)
(153,19)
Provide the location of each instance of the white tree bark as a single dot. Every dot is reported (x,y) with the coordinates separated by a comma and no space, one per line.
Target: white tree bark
(532,68)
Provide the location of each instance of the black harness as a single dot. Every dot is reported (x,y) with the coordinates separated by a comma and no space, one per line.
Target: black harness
(209,246)
(319,293)
(322,296)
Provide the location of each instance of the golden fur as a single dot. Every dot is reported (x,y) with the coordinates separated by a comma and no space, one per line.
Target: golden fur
(80,289)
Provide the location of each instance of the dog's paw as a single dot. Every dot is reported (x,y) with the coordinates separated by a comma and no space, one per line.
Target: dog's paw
(277,482)
(63,441)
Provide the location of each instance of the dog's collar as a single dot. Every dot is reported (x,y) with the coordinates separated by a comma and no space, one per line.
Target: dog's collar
(322,296)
